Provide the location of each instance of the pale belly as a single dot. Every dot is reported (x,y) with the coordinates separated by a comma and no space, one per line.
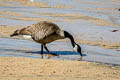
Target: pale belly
(27,36)
(48,39)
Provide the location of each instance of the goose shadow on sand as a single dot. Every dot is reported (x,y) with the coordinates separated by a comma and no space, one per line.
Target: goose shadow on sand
(56,52)
(64,55)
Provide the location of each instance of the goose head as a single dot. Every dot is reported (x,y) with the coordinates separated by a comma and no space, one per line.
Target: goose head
(77,48)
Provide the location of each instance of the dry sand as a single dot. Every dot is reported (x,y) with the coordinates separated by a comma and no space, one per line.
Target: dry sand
(12,68)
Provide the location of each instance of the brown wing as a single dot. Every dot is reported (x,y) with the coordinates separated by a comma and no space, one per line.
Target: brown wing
(25,31)
(45,29)
(40,30)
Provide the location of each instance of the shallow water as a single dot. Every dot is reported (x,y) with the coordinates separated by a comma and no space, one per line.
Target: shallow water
(25,48)
(78,26)
(77,6)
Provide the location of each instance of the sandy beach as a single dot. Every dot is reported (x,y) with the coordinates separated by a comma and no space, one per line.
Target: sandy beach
(93,23)
(12,68)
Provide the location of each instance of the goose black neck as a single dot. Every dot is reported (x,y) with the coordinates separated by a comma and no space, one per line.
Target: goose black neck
(68,35)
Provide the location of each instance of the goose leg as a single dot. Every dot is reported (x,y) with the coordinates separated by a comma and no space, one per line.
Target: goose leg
(46,48)
(49,54)
(47,51)
(41,51)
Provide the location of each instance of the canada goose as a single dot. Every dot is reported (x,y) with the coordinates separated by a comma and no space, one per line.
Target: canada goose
(45,32)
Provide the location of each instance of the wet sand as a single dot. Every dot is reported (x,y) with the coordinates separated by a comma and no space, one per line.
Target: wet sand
(5,31)
(95,17)
(68,19)
(43,69)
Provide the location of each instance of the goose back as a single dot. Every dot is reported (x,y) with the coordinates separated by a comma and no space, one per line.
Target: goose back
(43,32)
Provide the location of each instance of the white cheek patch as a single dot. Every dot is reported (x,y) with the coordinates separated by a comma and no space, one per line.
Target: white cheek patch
(26,36)
(75,48)
(31,0)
